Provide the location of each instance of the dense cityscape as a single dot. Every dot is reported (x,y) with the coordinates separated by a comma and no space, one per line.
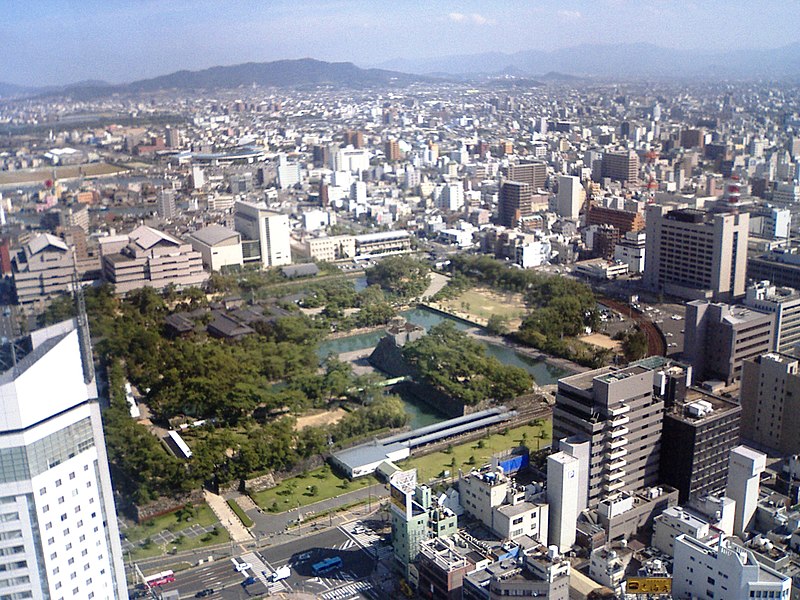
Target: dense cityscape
(299,329)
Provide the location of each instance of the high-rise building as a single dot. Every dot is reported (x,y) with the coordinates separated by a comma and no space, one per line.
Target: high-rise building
(744,482)
(691,254)
(59,536)
(719,337)
(616,410)
(354,139)
(321,156)
(571,196)
(392,150)
(532,172)
(515,202)
(198,178)
(267,233)
(289,173)
(785,304)
(166,204)
(621,166)
(700,430)
(562,496)
(723,569)
(770,397)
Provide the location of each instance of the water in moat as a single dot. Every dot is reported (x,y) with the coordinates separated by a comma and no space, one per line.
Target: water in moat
(422,414)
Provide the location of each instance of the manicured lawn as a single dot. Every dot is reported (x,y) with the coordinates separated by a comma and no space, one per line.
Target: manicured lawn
(483,304)
(432,465)
(203,516)
(186,543)
(297,491)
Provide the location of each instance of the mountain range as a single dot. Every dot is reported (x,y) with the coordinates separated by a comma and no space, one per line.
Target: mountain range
(620,61)
(281,73)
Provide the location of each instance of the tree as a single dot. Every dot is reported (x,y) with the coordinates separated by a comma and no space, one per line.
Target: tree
(402,276)
(497,324)
(634,345)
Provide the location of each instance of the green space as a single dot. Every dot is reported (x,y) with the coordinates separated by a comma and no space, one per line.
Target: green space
(307,488)
(175,522)
(239,512)
(485,304)
(477,453)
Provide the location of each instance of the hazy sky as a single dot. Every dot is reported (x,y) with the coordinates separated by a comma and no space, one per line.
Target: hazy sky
(61,41)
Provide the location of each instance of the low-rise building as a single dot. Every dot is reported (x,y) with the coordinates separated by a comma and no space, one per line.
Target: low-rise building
(331,248)
(219,246)
(147,257)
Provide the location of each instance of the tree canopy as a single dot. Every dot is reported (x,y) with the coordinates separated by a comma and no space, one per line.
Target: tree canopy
(402,276)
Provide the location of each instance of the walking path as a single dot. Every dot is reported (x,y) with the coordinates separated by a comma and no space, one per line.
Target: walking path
(238,532)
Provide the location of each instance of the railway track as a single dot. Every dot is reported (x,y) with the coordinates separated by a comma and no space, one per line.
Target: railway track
(656,344)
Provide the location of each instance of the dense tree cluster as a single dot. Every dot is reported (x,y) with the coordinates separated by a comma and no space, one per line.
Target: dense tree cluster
(404,277)
(457,365)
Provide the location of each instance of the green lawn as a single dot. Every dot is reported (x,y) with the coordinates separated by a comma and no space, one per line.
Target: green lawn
(297,491)
(203,516)
(484,303)
(433,465)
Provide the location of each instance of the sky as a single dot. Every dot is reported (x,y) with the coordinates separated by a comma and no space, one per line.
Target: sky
(51,42)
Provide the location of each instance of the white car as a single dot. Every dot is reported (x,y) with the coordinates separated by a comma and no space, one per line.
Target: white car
(241,567)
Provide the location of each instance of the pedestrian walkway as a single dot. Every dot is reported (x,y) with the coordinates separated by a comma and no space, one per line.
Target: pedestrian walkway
(246,502)
(238,532)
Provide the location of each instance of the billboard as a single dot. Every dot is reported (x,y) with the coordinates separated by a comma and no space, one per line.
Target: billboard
(649,585)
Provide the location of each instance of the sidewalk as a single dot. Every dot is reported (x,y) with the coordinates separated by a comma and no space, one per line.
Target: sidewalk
(227,518)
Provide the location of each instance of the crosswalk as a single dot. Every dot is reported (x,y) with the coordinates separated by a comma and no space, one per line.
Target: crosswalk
(366,538)
(261,571)
(347,591)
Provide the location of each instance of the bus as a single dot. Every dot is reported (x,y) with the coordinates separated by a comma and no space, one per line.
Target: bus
(326,566)
(159,579)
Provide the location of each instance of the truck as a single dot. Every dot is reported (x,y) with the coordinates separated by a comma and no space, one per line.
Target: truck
(280,573)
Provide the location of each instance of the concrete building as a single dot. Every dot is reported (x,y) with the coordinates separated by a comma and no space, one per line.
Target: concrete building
(265,234)
(331,248)
(165,204)
(532,172)
(620,166)
(219,246)
(781,267)
(616,411)
(563,493)
(147,257)
(42,270)
(700,430)
(770,397)
(441,569)
(505,508)
(397,241)
(785,304)
(744,478)
(631,251)
(692,254)
(570,197)
(723,570)
(719,337)
(539,573)
(59,532)
(622,514)
(676,521)
(515,203)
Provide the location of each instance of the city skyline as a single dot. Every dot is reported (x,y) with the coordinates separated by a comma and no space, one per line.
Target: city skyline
(120,42)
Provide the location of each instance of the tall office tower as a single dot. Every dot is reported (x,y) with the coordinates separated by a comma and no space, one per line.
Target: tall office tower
(562,497)
(173,137)
(616,410)
(532,172)
(621,166)
(744,477)
(358,192)
(515,202)
(691,254)
(354,139)
(570,198)
(785,304)
(770,398)
(166,204)
(724,569)
(692,138)
(321,156)
(59,536)
(719,337)
(451,197)
(700,430)
(392,150)
(198,177)
(289,173)
(265,234)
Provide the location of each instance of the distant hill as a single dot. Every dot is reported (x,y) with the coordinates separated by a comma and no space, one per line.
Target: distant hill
(281,73)
(10,89)
(624,61)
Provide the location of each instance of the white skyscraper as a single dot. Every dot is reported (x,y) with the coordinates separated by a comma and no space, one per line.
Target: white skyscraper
(570,197)
(59,537)
(744,477)
(562,496)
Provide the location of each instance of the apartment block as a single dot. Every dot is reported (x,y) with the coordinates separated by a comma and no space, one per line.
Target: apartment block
(694,255)
(515,202)
(784,303)
(719,337)
(621,166)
